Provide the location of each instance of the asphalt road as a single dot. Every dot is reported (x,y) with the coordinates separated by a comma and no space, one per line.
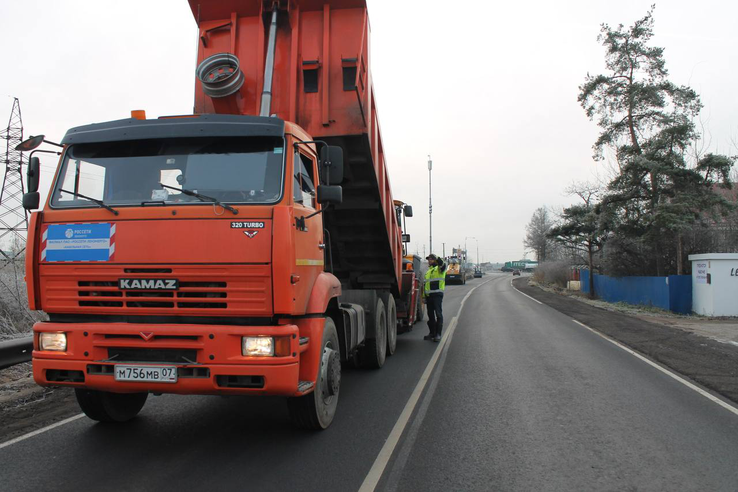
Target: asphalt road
(522,399)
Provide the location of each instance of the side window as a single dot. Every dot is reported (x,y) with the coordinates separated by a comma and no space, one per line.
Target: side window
(82,177)
(304,189)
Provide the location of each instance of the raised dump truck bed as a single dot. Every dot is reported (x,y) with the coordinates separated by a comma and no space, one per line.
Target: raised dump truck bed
(322,82)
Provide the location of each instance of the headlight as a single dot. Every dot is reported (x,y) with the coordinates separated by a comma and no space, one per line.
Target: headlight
(257,346)
(55,342)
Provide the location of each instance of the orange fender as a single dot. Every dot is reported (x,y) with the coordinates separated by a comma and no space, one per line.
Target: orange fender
(325,288)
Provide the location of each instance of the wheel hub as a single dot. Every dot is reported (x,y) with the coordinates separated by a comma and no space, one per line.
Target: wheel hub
(332,368)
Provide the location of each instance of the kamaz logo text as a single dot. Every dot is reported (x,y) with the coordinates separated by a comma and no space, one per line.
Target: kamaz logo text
(148,284)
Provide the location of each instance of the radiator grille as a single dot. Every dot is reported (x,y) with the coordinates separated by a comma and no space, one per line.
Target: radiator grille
(192,295)
(213,290)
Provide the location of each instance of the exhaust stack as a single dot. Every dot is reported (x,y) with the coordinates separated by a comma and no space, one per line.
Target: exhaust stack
(266,95)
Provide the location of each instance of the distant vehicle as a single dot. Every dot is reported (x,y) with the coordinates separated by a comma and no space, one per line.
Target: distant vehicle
(477,274)
(516,272)
(455,274)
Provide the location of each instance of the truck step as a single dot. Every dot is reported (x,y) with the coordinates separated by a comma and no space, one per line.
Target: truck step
(303,386)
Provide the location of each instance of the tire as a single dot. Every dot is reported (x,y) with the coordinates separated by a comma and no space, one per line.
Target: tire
(391,310)
(420,311)
(374,352)
(315,411)
(110,407)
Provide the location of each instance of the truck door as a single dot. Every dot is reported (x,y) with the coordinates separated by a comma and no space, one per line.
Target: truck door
(309,255)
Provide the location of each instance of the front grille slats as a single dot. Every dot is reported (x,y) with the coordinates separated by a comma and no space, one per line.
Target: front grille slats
(238,290)
(208,295)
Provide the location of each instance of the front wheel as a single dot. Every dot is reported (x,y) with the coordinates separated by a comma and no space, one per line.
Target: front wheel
(110,407)
(315,411)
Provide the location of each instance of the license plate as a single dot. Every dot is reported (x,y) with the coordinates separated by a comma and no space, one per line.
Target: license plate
(146,374)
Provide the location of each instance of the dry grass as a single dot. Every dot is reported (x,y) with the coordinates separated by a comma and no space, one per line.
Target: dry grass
(552,273)
(15,317)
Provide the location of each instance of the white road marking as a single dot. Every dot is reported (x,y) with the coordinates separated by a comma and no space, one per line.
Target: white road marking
(526,295)
(673,375)
(377,470)
(40,431)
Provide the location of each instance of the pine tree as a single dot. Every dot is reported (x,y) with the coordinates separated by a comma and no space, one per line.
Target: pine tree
(648,120)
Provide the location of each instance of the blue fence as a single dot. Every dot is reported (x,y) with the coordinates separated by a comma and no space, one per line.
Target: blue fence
(673,293)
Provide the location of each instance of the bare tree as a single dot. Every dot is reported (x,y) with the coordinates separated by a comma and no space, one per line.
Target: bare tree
(535,233)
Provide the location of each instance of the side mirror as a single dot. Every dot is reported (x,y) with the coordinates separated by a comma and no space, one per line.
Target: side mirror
(331,195)
(31,200)
(331,164)
(33,174)
(408,211)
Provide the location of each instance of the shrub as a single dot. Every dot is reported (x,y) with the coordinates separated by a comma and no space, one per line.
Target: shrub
(553,273)
(15,317)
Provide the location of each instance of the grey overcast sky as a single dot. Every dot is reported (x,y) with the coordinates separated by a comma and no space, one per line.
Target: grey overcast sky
(488,89)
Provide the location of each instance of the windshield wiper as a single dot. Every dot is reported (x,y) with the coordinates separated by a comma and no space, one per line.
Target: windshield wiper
(202,198)
(93,200)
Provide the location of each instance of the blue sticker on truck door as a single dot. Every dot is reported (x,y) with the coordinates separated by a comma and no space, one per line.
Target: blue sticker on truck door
(78,242)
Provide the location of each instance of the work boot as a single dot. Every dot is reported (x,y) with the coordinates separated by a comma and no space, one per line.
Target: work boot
(431,330)
(439,328)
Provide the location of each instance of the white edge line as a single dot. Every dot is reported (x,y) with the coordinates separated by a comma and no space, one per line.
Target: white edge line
(526,295)
(377,470)
(40,431)
(669,373)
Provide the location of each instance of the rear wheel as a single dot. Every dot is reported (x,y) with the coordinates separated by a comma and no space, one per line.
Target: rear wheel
(374,351)
(315,411)
(420,312)
(391,309)
(110,407)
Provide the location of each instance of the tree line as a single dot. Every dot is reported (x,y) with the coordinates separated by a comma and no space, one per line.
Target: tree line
(665,198)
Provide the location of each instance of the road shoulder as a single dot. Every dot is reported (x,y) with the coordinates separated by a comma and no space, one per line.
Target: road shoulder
(706,361)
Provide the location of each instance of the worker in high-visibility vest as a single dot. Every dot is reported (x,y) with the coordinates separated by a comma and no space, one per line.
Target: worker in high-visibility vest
(435,284)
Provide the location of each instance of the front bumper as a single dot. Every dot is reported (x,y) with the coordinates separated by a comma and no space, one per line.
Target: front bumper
(208,358)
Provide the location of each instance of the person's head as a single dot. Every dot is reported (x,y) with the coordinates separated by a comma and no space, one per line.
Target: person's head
(432,259)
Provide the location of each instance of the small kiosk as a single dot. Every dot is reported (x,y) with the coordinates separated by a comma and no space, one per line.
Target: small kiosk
(715,284)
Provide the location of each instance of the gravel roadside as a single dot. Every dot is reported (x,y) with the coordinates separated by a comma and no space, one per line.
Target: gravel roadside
(711,363)
(25,406)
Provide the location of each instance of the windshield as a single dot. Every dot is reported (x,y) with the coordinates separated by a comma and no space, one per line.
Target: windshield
(231,170)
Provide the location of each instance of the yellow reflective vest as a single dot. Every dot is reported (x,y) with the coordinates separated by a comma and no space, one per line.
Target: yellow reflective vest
(435,281)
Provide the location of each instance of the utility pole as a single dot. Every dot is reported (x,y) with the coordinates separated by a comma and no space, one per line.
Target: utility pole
(430,203)
(444,249)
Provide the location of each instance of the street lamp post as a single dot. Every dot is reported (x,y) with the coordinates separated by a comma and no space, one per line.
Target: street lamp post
(430,203)
(479,265)
(465,253)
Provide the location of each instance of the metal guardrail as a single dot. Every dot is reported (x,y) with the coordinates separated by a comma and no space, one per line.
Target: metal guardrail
(16,351)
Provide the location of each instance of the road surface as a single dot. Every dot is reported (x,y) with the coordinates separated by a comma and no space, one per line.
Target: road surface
(519,397)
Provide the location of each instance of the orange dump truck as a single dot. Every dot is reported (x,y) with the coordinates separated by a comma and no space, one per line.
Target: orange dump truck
(247,249)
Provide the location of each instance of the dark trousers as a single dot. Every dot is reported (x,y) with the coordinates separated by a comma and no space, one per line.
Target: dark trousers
(434,304)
